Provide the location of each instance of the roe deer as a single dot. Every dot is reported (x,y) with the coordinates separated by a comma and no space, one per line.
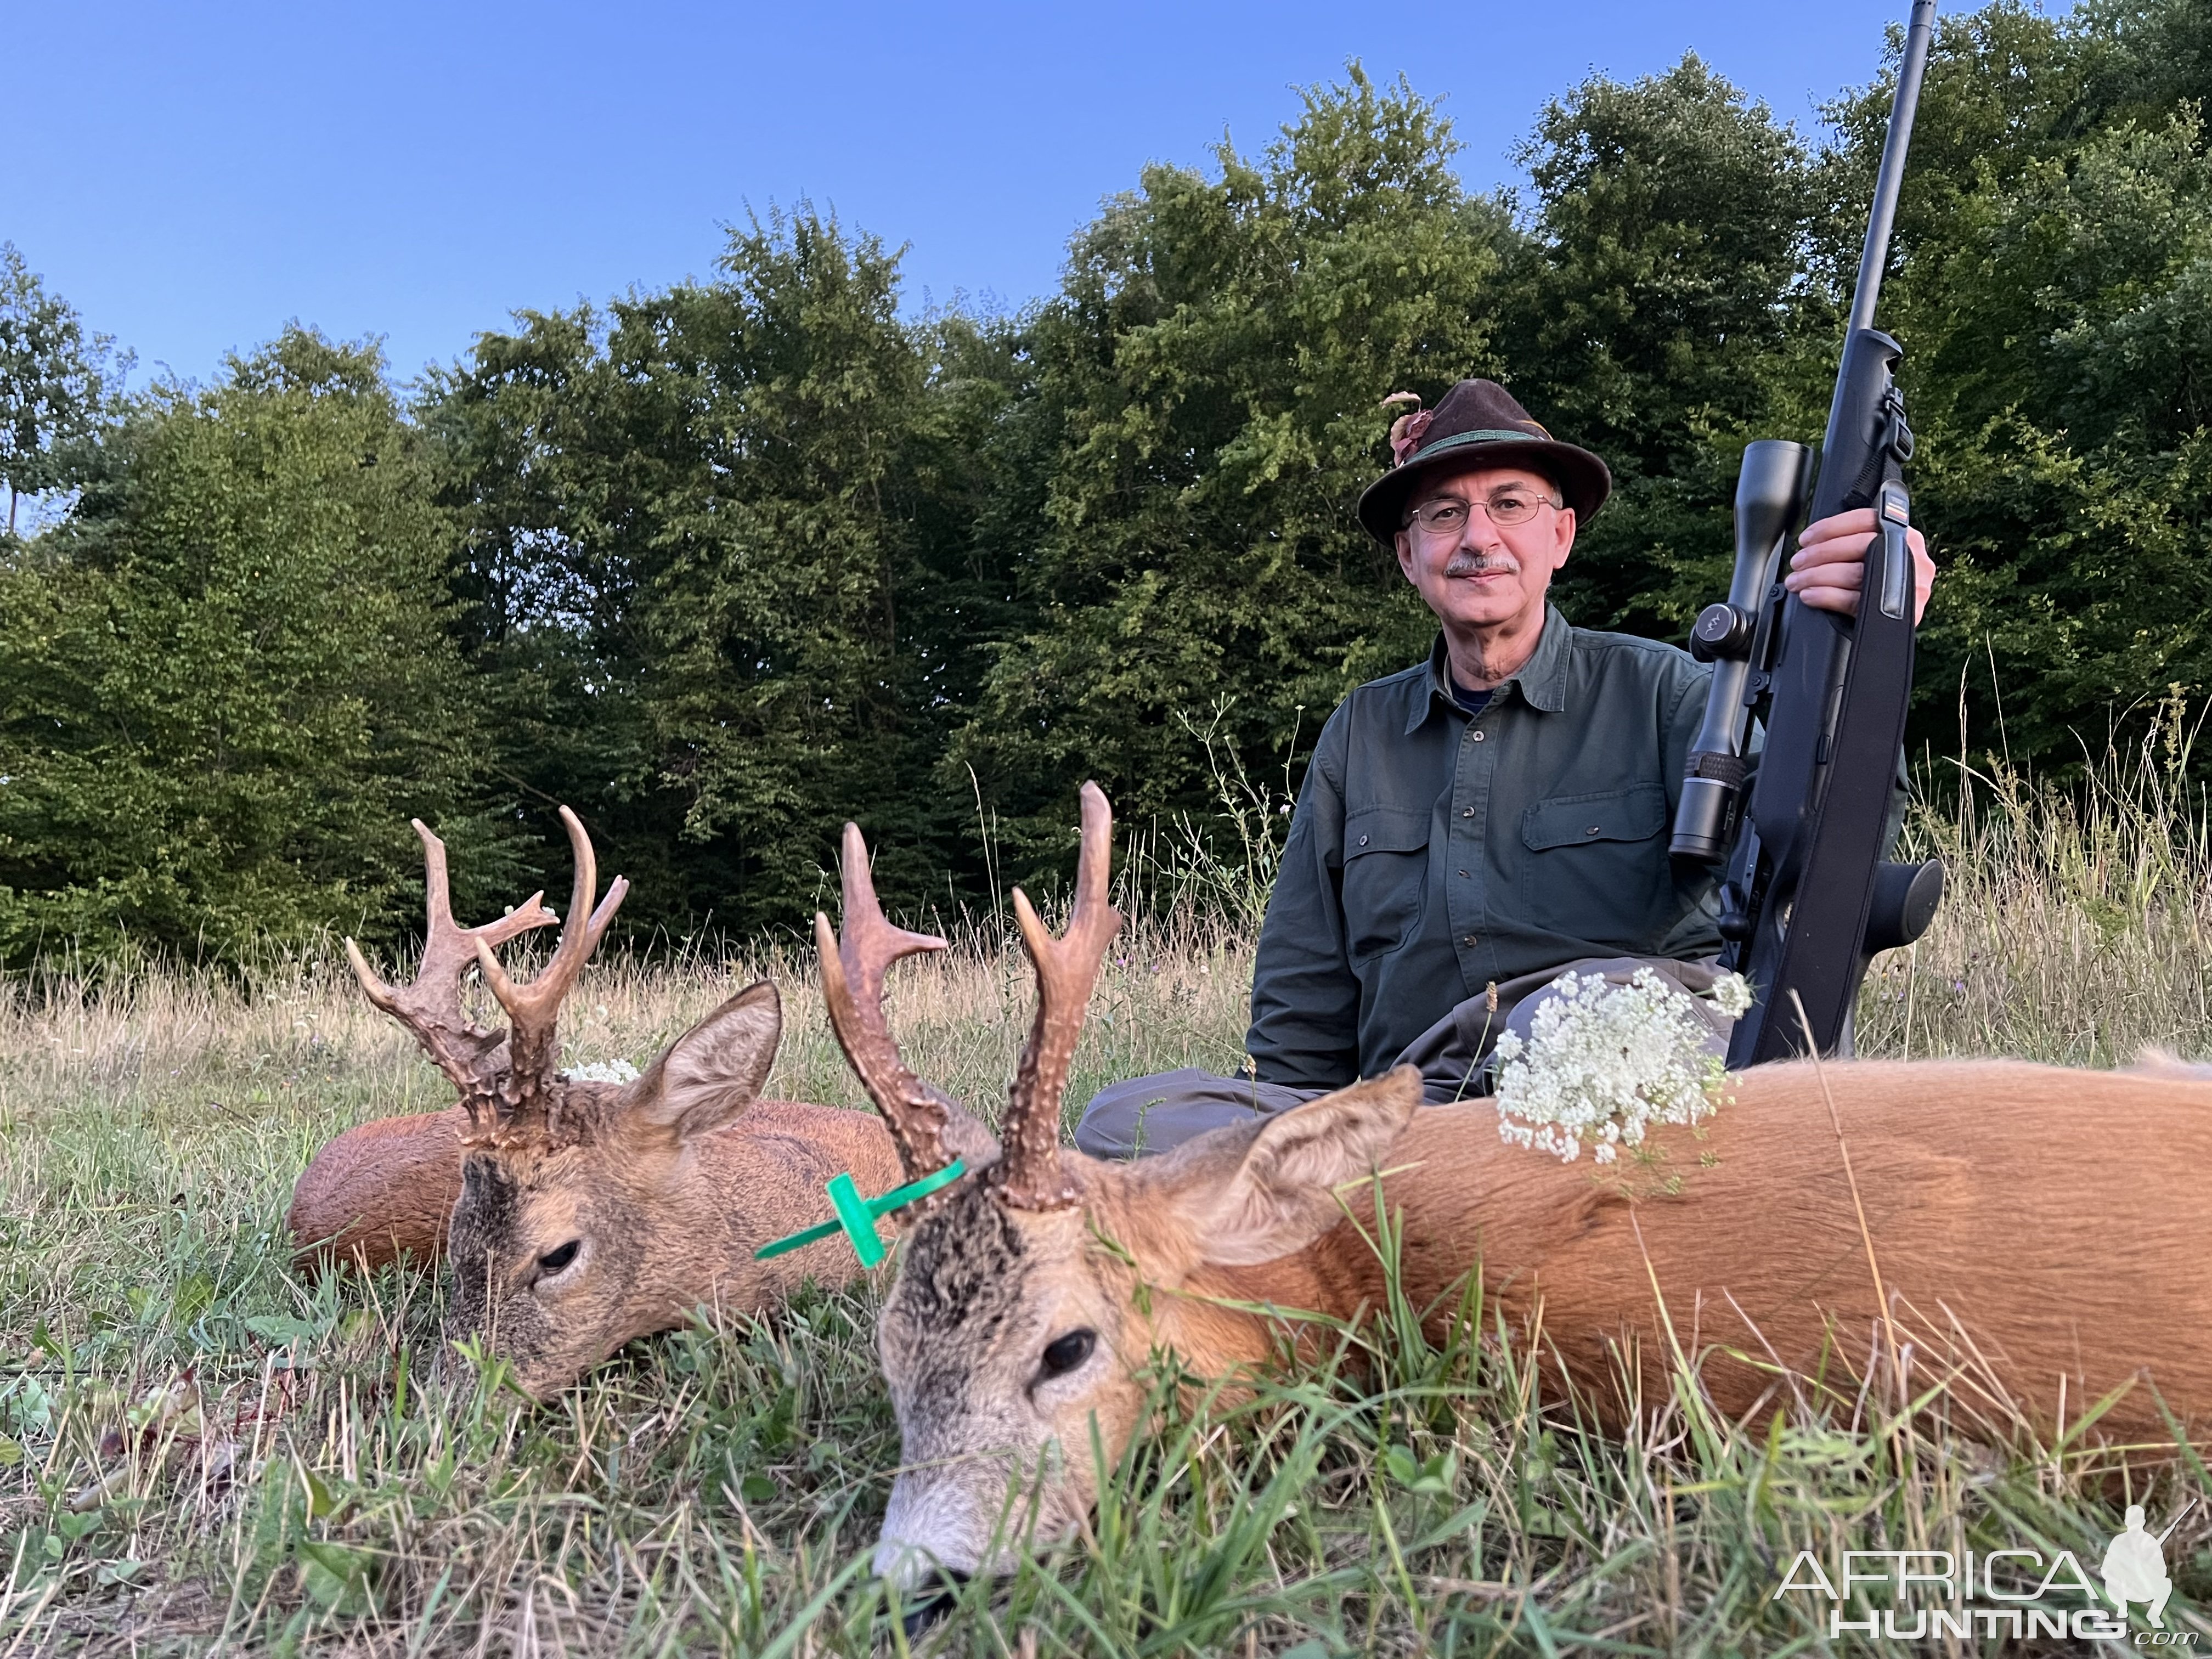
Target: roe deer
(2038,1234)
(580,1215)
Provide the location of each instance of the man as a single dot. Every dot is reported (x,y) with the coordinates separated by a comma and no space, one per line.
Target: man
(1471,827)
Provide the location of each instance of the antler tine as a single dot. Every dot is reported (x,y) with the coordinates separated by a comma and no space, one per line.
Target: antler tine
(532,1009)
(431,1007)
(1030,1176)
(853,968)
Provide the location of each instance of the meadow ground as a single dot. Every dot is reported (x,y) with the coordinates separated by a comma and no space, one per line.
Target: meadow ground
(200,1450)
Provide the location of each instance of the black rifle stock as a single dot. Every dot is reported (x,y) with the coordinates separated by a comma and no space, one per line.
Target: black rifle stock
(1807,898)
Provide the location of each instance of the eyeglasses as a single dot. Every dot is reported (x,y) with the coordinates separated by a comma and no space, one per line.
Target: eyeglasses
(1512,505)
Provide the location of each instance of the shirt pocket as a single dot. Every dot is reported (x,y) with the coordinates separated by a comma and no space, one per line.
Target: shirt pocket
(1386,875)
(1596,869)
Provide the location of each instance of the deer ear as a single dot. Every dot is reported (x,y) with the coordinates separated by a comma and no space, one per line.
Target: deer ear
(1262,1192)
(714,1069)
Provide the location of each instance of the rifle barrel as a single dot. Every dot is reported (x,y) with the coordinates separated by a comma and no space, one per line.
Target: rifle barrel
(1918,34)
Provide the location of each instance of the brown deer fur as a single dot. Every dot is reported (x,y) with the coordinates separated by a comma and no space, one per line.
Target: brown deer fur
(580,1214)
(2037,1232)
(380,1190)
(386,1188)
(2026,1238)
(666,1186)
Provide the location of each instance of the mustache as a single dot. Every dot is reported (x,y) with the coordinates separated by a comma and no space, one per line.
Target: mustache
(1464,563)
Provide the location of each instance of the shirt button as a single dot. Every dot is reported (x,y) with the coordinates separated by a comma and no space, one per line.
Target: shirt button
(1478,734)
(1467,812)
(1594,829)
(1463,873)
(1470,939)
(1363,840)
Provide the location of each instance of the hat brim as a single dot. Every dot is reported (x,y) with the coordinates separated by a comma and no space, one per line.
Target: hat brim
(1583,480)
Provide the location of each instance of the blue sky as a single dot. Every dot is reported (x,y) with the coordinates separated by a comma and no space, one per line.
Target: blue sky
(192,176)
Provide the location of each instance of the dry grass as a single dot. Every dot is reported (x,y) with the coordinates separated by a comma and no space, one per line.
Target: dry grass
(201,1452)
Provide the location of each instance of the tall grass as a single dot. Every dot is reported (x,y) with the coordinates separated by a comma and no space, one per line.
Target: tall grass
(2075,921)
(200,1450)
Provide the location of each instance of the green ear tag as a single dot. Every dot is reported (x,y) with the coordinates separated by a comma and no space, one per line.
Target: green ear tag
(856,1216)
(852,1216)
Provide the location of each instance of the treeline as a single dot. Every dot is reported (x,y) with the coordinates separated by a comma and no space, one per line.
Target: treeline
(725,564)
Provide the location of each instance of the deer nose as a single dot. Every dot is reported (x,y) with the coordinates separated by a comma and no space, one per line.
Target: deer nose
(932,1599)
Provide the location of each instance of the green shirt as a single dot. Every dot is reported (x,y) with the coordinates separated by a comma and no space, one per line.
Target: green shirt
(1433,854)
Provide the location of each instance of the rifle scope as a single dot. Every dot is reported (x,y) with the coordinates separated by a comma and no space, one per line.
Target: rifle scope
(1770,497)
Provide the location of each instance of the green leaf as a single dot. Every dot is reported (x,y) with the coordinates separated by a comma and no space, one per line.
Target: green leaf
(281,1330)
(74,1527)
(335,1577)
(757,1489)
(778,1427)
(1430,1477)
(321,1501)
(192,1298)
(11,1452)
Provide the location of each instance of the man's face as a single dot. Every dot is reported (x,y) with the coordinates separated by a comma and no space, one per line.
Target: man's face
(1480,574)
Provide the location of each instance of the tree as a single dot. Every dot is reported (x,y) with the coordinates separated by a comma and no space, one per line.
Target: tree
(721,569)
(54,383)
(2052,295)
(1660,315)
(224,680)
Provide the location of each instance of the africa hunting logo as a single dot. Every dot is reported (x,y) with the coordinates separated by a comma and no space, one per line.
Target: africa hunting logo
(2016,1594)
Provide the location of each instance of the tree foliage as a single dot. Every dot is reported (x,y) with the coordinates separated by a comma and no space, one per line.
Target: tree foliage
(725,563)
(719,566)
(225,684)
(2054,304)
(54,381)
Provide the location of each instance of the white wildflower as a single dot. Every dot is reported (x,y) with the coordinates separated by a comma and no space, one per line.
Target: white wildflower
(1731,994)
(1603,1062)
(603,1071)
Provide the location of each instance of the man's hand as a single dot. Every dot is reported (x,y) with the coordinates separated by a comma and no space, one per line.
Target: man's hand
(1830,564)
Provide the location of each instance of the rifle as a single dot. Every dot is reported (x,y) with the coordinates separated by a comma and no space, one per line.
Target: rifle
(1807,898)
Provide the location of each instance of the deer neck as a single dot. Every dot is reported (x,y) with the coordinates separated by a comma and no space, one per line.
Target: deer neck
(1220,1318)
(689,1235)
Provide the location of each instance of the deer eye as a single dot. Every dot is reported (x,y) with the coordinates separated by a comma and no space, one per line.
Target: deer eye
(556,1261)
(1064,1353)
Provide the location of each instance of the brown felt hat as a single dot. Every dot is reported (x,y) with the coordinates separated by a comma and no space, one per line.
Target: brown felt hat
(1478,424)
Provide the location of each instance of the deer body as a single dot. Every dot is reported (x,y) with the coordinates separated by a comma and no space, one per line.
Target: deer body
(2025,1203)
(379,1191)
(2036,1233)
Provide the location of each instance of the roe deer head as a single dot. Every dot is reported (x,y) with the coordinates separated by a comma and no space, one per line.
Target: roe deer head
(1013,1326)
(583,1214)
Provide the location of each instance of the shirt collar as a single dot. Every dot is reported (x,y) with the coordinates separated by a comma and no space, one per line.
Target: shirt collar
(1542,678)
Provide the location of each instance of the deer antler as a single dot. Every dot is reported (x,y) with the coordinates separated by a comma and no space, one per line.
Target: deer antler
(430,1007)
(1029,1175)
(853,968)
(534,1045)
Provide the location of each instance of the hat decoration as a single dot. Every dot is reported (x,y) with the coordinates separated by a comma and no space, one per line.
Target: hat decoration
(1407,430)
